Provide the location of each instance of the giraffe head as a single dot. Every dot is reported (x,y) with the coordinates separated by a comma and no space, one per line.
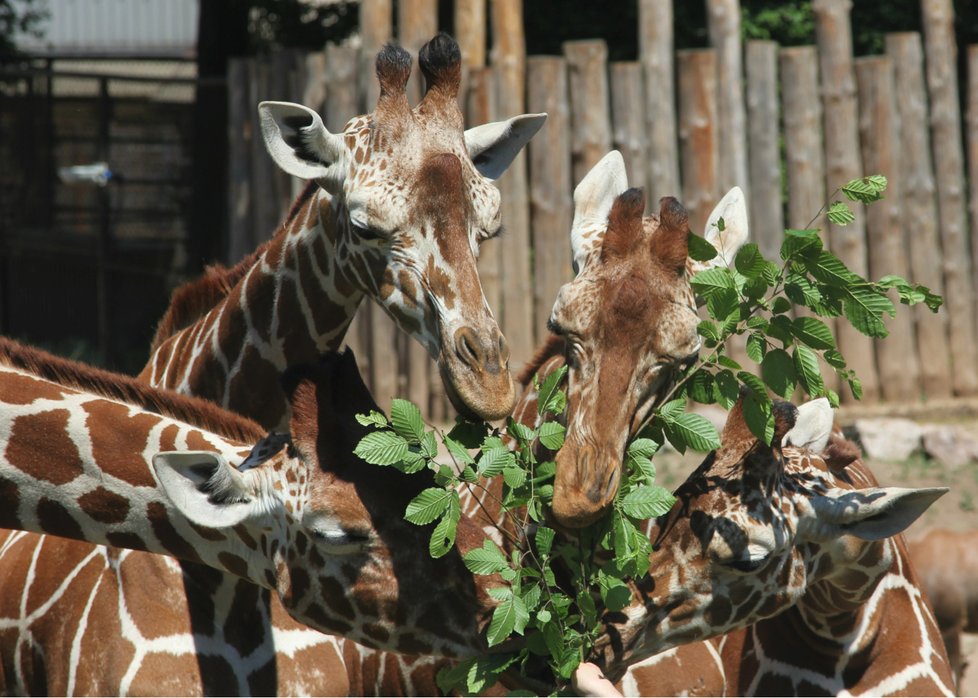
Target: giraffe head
(755,528)
(413,199)
(323,529)
(628,321)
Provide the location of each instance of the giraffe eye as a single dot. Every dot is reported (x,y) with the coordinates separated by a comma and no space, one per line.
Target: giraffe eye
(366,233)
(747,565)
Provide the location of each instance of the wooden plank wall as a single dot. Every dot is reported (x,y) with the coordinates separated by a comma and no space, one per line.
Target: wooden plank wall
(789,125)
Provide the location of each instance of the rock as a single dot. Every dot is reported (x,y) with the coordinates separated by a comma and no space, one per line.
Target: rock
(888,438)
(951,445)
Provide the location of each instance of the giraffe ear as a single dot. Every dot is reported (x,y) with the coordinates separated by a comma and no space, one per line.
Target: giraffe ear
(813,426)
(206,489)
(593,200)
(493,146)
(873,513)
(299,143)
(733,210)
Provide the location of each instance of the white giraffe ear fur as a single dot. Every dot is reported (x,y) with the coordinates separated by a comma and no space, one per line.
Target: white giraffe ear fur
(732,208)
(593,199)
(299,143)
(873,513)
(813,426)
(205,489)
(494,146)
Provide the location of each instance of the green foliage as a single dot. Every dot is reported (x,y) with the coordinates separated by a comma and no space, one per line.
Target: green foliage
(558,617)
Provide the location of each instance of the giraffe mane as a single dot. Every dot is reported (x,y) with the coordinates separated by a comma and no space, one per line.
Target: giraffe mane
(73,374)
(194,299)
(551,347)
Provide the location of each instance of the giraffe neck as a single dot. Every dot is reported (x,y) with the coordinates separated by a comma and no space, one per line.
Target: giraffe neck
(64,477)
(292,302)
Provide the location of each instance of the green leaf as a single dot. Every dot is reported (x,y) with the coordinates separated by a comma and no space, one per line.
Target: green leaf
(406,420)
(759,416)
(443,537)
(778,372)
(840,213)
(727,362)
(493,460)
(429,445)
(806,368)
(834,359)
(469,434)
(780,305)
(829,269)
(749,261)
(756,386)
(700,387)
(488,559)
(712,281)
(614,592)
(382,448)
(726,388)
(647,502)
(694,430)
(756,344)
(514,477)
(428,505)
(458,451)
(552,435)
(547,394)
(373,418)
(708,330)
(865,308)
(506,618)
(545,539)
(800,244)
(723,304)
(801,291)
(518,431)
(701,250)
(813,332)
(865,189)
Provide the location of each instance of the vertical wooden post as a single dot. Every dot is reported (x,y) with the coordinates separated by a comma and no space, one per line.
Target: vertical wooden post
(698,138)
(587,68)
(803,147)
(724,28)
(917,193)
(945,119)
(342,96)
(655,47)
(509,64)
(376,25)
(241,131)
(766,211)
(314,90)
(972,145)
(470,31)
(628,122)
(842,164)
(880,140)
(550,186)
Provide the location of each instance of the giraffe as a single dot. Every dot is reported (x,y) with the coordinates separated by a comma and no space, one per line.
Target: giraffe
(793,550)
(309,525)
(946,560)
(396,209)
(622,327)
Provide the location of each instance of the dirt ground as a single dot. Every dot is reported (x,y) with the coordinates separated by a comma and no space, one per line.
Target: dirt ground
(957,510)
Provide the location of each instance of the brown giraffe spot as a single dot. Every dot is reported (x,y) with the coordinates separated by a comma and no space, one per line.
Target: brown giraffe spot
(301,543)
(335,596)
(104,505)
(124,444)
(260,298)
(8,514)
(218,676)
(440,283)
(168,437)
(245,537)
(719,611)
(298,587)
(233,564)
(207,533)
(316,615)
(39,446)
(232,328)
(262,681)
(166,534)
(196,441)
(23,390)
(129,541)
(57,520)
(270,579)
(208,375)
(409,644)
(376,632)
(240,629)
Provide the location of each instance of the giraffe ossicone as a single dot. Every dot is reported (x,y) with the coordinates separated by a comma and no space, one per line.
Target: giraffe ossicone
(625,324)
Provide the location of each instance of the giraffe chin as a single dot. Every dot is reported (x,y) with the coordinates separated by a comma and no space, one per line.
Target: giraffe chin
(478,395)
(583,491)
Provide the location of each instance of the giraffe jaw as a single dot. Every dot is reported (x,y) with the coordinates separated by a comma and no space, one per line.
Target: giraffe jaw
(478,394)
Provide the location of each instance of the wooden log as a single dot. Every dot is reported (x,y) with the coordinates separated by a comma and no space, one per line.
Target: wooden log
(470,31)
(842,164)
(314,90)
(376,26)
(972,145)
(342,86)
(766,210)
(920,218)
(509,73)
(945,119)
(587,73)
(417,22)
(724,28)
(551,206)
(628,123)
(241,132)
(896,357)
(655,48)
(698,138)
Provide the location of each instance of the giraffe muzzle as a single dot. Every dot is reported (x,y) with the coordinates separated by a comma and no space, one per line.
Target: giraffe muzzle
(585,485)
(475,371)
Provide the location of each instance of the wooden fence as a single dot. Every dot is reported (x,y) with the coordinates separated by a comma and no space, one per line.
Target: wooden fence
(789,125)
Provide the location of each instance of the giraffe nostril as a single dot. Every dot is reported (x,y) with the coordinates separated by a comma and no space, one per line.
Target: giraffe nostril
(503,351)
(468,349)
